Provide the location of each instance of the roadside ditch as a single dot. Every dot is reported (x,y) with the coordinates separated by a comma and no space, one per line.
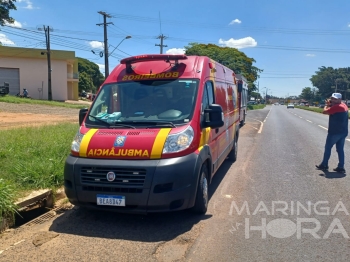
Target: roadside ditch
(37,204)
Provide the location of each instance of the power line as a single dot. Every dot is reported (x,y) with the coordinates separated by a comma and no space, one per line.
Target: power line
(236,28)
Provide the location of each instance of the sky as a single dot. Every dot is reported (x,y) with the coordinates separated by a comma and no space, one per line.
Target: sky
(288,39)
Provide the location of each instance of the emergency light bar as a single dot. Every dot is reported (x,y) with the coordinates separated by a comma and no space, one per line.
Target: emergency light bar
(145,58)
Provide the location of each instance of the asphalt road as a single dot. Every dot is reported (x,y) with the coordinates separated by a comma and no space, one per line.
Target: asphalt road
(270,205)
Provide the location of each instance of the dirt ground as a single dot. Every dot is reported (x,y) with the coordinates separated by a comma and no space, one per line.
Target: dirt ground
(20,115)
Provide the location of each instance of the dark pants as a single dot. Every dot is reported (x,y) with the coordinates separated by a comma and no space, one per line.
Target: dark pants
(339,141)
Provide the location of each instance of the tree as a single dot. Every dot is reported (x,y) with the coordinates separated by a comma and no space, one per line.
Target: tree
(328,77)
(90,77)
(230,57)
(307,93)
(5,7)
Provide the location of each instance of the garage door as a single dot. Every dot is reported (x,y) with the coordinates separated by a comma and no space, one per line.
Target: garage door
(11,76)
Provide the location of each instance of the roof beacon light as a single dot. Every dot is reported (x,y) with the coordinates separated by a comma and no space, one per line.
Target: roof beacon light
(145,58)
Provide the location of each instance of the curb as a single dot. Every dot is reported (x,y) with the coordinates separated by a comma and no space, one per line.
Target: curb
(38,198)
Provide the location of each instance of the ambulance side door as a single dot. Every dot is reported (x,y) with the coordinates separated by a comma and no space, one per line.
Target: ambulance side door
(209,98)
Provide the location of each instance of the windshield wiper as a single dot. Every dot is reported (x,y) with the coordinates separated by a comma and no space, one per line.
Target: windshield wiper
(154,123)
(113,124)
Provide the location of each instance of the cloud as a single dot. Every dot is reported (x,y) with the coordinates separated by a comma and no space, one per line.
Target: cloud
(310,55)
(176,51)
(15,24)
(96,44)
(5,41)
(29,4)
(236,21)
(239,43)
(101,67)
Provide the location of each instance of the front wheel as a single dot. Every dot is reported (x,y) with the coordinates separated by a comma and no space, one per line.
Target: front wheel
(201,204)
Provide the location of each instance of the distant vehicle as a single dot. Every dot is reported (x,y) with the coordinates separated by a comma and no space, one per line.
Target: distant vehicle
(282,104)
(251,103)
(290,105)
(321,105)
(276,104)
(301,104)
(307,104)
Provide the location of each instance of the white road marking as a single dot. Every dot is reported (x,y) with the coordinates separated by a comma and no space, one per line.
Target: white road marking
(257,121)
(261,127)
(348,140)
(309,121)
(300,117)
(323,127)
(267,116)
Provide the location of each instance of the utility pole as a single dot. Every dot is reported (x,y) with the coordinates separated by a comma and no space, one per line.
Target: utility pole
(161,37)
(105,15)
(47,30)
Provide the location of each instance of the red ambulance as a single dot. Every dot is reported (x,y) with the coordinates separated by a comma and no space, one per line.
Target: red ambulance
(154,136)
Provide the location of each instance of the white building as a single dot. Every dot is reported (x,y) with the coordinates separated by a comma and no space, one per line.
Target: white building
(28,68)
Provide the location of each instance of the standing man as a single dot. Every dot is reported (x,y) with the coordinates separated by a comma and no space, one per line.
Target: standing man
(337,131)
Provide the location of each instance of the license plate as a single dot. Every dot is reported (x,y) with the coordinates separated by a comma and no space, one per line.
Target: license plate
(106,200)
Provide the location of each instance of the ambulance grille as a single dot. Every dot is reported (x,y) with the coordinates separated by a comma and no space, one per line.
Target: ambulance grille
(110,133)
(123,176)
(112,189)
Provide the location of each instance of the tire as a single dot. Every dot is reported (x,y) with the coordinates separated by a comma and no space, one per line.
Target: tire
(232,156)
(243,121)
(202,198)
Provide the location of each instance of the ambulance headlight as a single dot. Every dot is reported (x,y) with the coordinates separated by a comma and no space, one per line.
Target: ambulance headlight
(179,142)
(76,142)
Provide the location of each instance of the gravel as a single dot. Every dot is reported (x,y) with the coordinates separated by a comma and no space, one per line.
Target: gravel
(38,109)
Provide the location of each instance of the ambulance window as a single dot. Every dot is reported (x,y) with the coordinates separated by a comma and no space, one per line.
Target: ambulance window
(210,90)
(205,100)
(208,96)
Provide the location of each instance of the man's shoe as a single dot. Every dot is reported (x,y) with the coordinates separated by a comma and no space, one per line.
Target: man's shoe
(339,170)
(321,167)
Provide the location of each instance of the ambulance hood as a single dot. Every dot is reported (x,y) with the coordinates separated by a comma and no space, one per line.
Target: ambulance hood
(123,144)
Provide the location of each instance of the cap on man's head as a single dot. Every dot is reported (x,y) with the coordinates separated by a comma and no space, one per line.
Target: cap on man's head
(336,95)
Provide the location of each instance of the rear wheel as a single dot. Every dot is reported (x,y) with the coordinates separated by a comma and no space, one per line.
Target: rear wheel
(201,204)
(243,121)
(232,156)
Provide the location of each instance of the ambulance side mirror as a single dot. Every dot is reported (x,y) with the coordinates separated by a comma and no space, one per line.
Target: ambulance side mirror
(214,116)
(82,114)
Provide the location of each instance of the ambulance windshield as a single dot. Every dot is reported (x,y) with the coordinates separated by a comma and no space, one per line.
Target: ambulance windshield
(144,102)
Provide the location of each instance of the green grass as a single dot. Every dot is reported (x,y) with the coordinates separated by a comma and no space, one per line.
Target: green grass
(7,200)
(253,107)
(33,157)
(18,100)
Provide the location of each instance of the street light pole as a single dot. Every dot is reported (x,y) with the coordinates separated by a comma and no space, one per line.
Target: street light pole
(127,37)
